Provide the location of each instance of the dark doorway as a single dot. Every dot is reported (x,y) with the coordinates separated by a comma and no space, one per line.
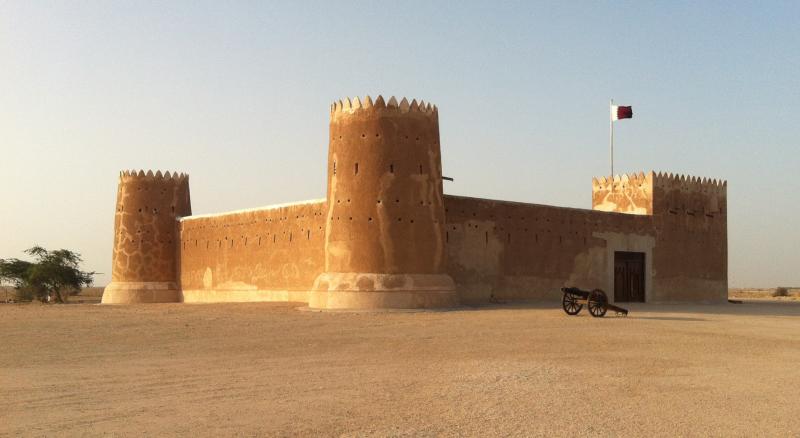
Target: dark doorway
(629,276)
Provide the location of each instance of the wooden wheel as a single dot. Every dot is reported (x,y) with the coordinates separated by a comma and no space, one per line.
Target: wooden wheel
(570,304)
(597,303)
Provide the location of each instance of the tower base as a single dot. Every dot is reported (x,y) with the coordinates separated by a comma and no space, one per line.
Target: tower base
(132,292)
(363,291)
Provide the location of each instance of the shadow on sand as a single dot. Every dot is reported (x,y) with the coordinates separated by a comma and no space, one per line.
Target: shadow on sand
(667,318)
(747,307)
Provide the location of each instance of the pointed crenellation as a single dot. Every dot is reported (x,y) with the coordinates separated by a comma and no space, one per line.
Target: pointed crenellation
(660,179)
(622,181)
(348,106)
(140,174)
(688,183)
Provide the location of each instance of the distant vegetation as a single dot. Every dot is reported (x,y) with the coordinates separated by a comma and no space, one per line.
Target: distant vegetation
(781,292)
(52,276)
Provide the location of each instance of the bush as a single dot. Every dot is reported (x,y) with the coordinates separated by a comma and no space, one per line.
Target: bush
(780,292)
(54,275)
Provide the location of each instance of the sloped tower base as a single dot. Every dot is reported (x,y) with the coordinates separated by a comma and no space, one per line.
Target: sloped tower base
(366,291)
(119,292)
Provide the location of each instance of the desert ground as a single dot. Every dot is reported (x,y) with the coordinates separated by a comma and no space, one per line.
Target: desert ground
(523,369)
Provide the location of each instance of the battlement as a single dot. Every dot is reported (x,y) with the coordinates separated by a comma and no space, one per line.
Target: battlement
(688,183)
(662,179)
(608,183)
(658,192)
(347,107)
(134,174)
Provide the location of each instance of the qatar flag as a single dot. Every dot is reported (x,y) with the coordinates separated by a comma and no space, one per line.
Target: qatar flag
(621,112)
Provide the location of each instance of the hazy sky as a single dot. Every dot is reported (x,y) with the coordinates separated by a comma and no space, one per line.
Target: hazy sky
(237,94)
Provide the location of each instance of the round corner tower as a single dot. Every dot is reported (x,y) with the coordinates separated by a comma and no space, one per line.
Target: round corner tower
(145,261)
(384,238)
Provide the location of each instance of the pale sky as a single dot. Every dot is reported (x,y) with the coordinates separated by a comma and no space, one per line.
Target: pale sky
(237,94)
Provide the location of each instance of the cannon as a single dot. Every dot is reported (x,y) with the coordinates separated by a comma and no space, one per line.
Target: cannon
(595,300)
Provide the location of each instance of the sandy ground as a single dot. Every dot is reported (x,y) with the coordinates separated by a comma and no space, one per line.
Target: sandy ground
(268,369)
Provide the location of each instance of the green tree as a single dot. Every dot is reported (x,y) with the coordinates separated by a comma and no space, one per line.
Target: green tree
(52,274)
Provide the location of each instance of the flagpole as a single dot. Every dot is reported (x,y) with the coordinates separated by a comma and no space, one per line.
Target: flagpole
(611,136)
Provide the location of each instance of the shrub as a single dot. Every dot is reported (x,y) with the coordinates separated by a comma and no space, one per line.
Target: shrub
(780,292)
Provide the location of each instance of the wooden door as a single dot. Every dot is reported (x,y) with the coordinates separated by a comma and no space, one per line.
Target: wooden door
(628,276)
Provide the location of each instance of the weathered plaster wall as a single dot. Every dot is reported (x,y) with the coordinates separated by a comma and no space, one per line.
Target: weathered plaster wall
(384,243)
(385,209)
(624,193)
(492,249)
(144,260)
(689,214)
(509,250)
(268,254)
(691,259)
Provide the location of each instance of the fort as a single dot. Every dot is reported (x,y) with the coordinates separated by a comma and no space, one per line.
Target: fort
(386,236)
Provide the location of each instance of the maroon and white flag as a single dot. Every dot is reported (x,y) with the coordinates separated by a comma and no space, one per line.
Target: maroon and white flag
(621,112)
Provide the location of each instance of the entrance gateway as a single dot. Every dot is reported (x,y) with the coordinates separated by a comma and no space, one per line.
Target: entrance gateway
(628,276)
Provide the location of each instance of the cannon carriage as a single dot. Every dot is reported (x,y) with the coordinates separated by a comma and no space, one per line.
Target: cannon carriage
(595,301)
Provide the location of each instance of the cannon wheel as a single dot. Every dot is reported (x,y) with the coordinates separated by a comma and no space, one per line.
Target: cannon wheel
(570,304)
(597,303)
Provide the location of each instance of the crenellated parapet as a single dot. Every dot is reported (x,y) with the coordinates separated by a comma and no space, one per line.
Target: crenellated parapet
(626,193)
(384,241)
(626,179)
(145,257)
(654,193)
(128,175)
(689,195)
(689,182)
(347,107)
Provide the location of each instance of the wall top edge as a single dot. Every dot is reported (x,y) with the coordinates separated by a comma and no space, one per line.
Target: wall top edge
(253,210)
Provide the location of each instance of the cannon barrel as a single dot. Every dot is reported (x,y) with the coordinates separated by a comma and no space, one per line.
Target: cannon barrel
(575,291)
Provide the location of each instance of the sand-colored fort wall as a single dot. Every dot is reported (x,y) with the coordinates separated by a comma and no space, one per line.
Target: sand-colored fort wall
(690,216)
(144,261)
(510,250)
(384,244)
(689,220)
(268,254)
(385,236)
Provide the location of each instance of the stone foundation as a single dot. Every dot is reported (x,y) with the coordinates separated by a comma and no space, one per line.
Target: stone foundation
(243,296)
(382,291)
(119,292)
